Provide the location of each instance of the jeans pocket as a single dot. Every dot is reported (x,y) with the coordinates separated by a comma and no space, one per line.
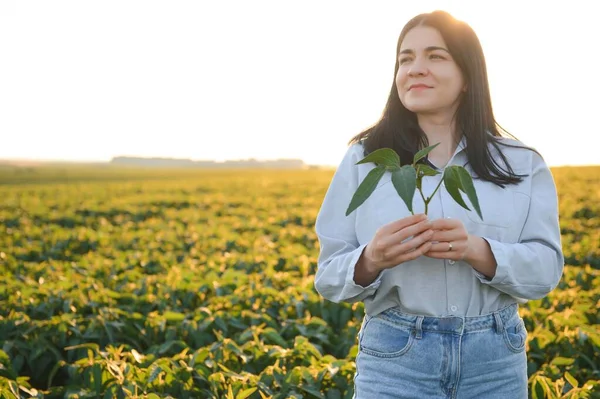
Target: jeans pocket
(515,336)
(385,340)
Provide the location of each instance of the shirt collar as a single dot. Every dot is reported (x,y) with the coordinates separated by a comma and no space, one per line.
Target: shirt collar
(460,147)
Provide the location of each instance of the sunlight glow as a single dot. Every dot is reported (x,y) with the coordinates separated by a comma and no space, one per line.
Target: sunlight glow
(269,79)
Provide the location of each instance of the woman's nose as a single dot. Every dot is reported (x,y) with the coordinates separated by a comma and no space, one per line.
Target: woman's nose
(418,68)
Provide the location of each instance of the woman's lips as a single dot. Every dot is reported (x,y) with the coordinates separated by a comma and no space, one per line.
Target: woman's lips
(418,87)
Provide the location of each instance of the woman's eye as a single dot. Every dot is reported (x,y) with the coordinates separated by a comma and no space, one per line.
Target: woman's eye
(403,60)
(437,56)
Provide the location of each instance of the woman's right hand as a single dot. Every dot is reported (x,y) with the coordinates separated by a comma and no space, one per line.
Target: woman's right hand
(398,242)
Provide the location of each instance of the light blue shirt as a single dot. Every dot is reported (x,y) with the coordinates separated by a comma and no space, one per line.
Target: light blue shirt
(520,224)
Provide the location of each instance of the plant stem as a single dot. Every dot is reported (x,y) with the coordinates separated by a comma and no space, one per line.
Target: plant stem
(424,200)
(428,200)
(438,186)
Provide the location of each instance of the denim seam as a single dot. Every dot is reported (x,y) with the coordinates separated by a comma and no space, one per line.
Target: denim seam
(521,332)
(395,324)
(390,355)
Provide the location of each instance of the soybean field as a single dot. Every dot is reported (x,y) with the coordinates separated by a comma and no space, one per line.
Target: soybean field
(198,283)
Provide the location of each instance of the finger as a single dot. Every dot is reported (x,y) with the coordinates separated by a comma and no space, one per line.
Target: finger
(447,235)
(414,254)
(400,224)
(412,231)
(393,239)
(444,224)
(412,244)
(442,247)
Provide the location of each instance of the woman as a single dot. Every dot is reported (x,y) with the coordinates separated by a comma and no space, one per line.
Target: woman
(441,291)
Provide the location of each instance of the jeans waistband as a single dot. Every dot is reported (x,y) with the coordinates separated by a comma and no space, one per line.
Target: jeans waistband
(497,320)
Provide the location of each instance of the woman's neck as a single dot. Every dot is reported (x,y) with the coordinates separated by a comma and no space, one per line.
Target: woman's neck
(440,130)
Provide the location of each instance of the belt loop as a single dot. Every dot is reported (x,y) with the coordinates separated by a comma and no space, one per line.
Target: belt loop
(419,328)
(499,323)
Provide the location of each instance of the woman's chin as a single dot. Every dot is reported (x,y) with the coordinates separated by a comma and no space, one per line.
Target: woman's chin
(420,108)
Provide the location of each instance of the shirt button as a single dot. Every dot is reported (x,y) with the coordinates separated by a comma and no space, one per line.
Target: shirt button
(451,261)
(453,308)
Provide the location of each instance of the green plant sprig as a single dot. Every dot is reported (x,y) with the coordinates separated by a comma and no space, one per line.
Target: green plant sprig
(408,178)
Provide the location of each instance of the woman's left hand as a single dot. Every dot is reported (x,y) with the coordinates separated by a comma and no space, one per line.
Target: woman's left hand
(453,241)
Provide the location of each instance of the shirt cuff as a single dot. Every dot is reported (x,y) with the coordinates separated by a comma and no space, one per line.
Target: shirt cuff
(498,250)
(350,275)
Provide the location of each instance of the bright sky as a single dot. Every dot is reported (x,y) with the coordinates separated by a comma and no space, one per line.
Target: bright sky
(89,80)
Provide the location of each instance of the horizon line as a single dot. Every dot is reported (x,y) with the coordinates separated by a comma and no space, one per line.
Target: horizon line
(103,161)
(71,161)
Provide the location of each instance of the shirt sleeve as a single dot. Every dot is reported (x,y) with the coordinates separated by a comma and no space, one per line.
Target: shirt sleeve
(532,268)
(339,246)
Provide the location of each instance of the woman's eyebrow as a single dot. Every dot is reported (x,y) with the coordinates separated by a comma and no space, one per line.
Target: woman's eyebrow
(428,49)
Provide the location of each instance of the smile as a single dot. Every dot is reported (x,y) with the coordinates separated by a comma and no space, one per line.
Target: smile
(418,87)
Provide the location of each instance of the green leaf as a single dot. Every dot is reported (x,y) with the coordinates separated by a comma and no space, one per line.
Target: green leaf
(468,187)
(571,379)
(173,316)
(405,182)
(334,394)
(457,178)
(382,156)
(245,393)
(154,373)
(30,391)
(97,370)
(366,188)
(14,388)
(452,183)
(139,358)
(424,170)
(422,153)
(273,336)
(541,387)
(171,345)
(90,345)
(312,391)
(562,361)
(537,390)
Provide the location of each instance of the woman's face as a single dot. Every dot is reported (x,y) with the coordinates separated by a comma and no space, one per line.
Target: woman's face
(428,79)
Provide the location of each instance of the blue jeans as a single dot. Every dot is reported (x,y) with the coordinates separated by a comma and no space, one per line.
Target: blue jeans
(410,356)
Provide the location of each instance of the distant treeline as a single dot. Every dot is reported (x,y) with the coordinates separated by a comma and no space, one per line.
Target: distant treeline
(178,163)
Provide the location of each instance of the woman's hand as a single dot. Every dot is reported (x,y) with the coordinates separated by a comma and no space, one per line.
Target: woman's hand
(397,242)
(466,247)
(450,240)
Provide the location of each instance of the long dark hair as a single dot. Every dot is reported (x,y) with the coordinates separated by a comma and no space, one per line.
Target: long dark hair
(398,127)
